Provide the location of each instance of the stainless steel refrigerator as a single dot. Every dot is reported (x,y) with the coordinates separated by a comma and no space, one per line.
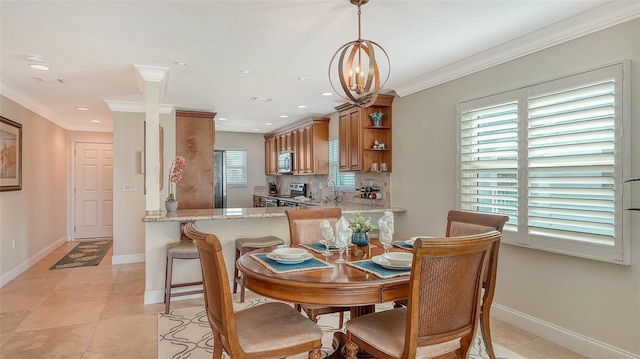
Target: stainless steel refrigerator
(219,179)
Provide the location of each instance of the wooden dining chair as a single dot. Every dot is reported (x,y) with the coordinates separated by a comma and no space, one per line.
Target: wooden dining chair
(441,316)
(462,223)
(304,227)
(252,333)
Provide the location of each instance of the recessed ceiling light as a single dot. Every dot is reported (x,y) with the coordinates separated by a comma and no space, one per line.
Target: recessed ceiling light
(180,63)
(327,94)
(216,125)
(39,67)
(256,129)
(261,98)
(246,72)
(222,119)
(283,116)
(95,121)
(302,106)
(82,109)
(302,78)
(35,58)
(268,123)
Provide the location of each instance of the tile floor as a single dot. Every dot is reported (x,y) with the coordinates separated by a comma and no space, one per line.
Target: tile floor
(98,312)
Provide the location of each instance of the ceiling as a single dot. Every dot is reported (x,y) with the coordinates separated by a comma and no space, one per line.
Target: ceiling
(92,47)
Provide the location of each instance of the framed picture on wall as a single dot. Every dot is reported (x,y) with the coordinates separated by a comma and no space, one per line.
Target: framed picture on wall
(10,155)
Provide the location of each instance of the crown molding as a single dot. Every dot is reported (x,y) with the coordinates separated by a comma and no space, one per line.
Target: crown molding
(599,18)
(10,91)
(139,107)
(158,74)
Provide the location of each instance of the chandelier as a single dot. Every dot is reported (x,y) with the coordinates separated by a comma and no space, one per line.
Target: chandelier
(357,68)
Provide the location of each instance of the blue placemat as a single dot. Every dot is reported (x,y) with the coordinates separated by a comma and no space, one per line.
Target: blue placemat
(367,265)
(277,267)
(318,247)
(403,245)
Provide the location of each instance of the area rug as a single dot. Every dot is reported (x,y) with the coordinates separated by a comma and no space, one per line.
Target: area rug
(185,333)
(86,253)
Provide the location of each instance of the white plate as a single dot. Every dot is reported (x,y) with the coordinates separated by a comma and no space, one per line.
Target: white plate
(383,262)
(412,240)
(281,260)
(290,252)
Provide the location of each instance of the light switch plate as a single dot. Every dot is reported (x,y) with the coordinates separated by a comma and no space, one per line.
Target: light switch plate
(128,187)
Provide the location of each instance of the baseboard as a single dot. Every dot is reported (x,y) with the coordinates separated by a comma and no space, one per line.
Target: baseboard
(578,343)
(15,272)
(128,258)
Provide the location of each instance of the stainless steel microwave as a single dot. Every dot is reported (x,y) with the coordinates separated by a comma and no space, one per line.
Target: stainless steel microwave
(285,162)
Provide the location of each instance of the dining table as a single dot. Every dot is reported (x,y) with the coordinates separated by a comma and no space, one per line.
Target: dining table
(359,283)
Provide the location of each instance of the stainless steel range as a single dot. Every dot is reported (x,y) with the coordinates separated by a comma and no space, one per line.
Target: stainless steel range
(296,191)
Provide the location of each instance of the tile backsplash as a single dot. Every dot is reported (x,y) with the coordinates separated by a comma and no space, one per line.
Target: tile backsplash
(317,187)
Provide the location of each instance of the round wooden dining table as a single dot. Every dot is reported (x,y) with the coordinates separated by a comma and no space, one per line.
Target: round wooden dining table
(340,285)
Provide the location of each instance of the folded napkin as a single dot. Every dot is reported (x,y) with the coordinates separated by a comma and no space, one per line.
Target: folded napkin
(343,232)
(385,225)
(327,232)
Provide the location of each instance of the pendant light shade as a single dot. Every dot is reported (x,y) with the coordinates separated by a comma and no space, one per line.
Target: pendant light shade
(355,67)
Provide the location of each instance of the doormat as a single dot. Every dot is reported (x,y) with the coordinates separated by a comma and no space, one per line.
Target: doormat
(85,254)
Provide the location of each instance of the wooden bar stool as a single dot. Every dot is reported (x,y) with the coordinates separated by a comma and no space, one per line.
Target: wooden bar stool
(244,245)
(180,250)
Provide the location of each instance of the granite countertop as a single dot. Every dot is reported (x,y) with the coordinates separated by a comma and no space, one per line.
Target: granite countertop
(187,215)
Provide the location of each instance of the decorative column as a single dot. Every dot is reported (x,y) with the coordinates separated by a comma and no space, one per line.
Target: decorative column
(151,81)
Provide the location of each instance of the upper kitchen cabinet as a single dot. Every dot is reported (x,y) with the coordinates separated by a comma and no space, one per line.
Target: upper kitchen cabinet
(363,146)
(195,139)
(309,142)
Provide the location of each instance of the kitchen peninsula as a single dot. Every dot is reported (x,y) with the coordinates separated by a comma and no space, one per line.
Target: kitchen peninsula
(226,223)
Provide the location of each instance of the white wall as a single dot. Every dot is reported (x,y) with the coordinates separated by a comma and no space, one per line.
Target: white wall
(254,144)
(36,216)
(567,298)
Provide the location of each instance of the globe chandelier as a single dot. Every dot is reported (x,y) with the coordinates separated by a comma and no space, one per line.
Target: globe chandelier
(357,68)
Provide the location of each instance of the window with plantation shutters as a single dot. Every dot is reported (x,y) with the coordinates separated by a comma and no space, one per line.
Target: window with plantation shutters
(552,157)
(236,168)
(344,180)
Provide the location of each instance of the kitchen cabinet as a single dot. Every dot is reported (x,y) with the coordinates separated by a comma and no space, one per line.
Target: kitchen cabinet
(357,136)
(309,142)
(271,156)
(195,140)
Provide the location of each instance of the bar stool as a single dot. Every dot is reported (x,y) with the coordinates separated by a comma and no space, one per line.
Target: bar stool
(244,245)
(181,250)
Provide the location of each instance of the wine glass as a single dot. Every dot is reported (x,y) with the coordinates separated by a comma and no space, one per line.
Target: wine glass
(342,242)
(385,239)
(327,243)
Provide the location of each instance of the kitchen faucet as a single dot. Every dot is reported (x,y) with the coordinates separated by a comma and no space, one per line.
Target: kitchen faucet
(335,190)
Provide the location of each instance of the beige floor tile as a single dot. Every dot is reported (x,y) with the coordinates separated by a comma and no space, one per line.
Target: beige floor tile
(60,342)
(28,286)
(70,296)
(62,315)
(122,306)
(125,289)
(125,276)
(18,301)
(508,335)
(114,338)
(9,321)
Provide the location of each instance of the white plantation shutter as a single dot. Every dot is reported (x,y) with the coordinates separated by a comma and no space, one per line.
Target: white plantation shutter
(489,159)
(236,168)
(552,157)
(571,135)
(344,180)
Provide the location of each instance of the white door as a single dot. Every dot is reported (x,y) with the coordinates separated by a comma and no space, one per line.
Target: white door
(93,190)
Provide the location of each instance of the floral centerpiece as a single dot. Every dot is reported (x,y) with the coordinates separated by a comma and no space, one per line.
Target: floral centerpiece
(361,228)
(175,175)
